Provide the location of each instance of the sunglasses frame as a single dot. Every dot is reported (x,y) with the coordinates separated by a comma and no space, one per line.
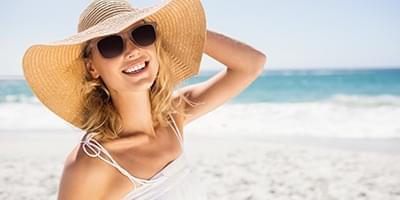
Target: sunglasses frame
(124,35)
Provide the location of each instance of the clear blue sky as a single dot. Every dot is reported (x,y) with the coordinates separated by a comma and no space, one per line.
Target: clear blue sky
(293,34)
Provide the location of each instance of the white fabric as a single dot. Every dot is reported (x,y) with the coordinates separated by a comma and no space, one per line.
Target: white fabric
(176,181)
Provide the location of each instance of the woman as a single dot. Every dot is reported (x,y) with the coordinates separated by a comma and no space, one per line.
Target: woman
(115,80)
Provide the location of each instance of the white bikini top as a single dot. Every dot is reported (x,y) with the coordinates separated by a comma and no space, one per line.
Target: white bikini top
(93,149)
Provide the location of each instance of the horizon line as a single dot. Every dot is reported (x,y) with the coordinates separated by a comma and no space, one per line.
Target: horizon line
(266,69)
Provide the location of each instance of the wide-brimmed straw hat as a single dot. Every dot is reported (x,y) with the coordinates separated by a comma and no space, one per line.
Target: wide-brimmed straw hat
(55,70)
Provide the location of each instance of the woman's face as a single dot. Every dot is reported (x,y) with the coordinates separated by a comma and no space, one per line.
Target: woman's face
(113,71)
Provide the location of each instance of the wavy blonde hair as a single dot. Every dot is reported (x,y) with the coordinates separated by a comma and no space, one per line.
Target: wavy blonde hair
(100,115)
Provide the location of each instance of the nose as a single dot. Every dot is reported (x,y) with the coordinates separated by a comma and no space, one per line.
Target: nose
(132,51)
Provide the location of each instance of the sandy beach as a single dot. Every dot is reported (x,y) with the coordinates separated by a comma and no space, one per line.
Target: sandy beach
(333,150)
(234,168)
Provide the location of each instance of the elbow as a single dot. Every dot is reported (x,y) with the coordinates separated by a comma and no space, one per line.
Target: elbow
(253,66)
(260,62)
(261,59)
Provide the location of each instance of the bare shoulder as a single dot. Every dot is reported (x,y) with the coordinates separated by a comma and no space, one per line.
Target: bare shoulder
(82,177)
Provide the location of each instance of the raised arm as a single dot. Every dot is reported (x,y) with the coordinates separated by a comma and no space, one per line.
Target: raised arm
(243,65)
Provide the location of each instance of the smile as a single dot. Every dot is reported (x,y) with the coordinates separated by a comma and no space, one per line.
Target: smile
(136,69)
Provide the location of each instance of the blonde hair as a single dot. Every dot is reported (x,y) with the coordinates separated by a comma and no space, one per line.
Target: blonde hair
(100,115)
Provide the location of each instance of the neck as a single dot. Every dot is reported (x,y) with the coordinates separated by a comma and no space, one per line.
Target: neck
(135,111)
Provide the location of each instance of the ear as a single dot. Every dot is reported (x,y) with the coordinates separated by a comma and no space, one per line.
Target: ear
(91,69)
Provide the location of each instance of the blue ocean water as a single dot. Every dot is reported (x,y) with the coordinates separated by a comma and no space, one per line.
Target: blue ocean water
(322,103)
(317,85)
(277,86)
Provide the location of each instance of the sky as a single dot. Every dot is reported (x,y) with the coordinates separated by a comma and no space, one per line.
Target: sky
(300,34)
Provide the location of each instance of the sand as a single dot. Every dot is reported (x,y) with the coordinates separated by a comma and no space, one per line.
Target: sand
(238,167)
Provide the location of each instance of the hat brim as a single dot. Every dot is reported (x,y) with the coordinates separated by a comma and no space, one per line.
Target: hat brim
(55,70)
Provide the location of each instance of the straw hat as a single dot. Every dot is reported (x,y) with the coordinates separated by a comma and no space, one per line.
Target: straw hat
(55,70)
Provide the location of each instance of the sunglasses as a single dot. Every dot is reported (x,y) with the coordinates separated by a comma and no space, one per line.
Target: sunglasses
(141,35)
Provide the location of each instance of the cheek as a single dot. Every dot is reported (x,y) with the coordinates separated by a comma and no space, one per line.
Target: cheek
(102,69)
(105,66)
(155,68)
(105,69)
(155,65)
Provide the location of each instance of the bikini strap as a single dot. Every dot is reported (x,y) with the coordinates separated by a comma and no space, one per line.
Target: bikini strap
(94,149)
(176,131)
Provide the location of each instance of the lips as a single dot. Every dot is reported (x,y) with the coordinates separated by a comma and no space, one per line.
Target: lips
(134,64)
(135,68)
(138,71)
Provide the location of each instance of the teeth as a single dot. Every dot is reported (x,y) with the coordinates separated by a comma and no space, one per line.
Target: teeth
(135,68)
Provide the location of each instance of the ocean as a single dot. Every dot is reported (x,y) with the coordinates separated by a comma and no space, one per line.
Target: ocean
(356,103)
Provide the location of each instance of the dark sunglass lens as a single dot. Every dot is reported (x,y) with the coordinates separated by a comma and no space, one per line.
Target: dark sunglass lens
(144,35)
(110,46)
